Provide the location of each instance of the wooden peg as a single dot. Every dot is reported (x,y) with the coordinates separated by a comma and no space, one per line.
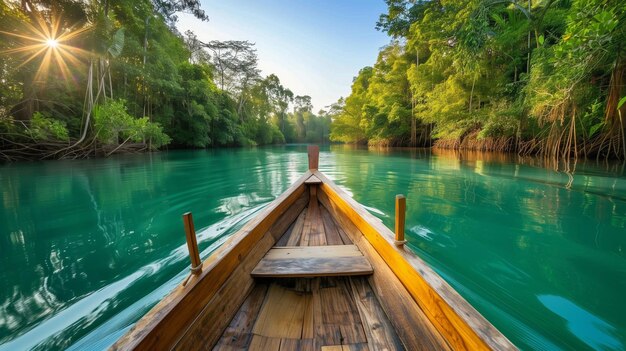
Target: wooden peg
(192,244)
(400,219)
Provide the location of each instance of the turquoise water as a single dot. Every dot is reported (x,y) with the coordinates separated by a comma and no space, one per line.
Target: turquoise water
(87,247)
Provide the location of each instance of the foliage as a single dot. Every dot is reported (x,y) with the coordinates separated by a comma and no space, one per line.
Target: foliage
(134,78)
(113,124)
(43,128)
(546,77)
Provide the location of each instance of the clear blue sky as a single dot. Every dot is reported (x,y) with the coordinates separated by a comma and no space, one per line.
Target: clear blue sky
(315,47)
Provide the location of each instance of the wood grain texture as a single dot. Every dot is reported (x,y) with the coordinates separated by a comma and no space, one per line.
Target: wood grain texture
(313,267)
(332,233)
(285,238)
(215,316)
(238,334)
(192,244)
(412,326)
(282,314)
(349,347)
(163,326)
(340,322)
(313,180)
(297,345)
(380,333)
(400,217)
(263,343)
(328,251)
(313,233)
(311,230)
(296,233)
(314,156)
(461,325)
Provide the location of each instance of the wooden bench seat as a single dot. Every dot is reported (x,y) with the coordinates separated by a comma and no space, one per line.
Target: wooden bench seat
(313,261)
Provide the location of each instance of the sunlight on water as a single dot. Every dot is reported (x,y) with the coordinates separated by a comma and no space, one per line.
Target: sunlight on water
(88,247)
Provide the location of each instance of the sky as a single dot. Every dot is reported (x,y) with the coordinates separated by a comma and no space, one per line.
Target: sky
(315,47)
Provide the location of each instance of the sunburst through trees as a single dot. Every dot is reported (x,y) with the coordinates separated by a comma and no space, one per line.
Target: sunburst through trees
(46,41)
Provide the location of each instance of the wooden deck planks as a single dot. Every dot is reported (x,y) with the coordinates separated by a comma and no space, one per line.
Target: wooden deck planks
(337,320)
(313,267)
(339,313)
(323,313)
(328,251)
(414,328)
(296,233)
(330,228)
(285,238)
(349,347)
(282,314)
(313,234)
(313,261)
(238,334)
(381,335)
(459,323)
(263,343)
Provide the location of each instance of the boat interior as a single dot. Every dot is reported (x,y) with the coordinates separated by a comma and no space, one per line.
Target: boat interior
(313,270)
(313,290)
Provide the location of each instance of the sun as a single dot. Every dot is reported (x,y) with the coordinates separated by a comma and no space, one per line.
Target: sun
(52,43)
(45,40)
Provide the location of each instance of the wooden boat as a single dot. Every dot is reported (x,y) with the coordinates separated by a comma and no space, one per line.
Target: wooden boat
(313,271)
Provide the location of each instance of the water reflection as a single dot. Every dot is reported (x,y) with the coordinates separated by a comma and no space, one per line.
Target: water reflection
(504,230)
(585,326)
(90,238)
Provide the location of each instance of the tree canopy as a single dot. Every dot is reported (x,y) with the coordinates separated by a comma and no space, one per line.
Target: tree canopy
(530,76)
(79,76)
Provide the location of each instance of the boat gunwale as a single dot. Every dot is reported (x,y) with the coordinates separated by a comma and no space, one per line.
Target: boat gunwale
(456,320)
(141,334)
(475,330)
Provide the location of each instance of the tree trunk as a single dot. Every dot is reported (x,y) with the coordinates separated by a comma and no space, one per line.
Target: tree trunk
(472,94)
(145,56)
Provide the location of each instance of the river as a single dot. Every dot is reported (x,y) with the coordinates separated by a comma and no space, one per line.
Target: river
(87,247)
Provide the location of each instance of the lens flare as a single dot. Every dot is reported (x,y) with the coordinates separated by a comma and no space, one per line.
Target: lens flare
(52,43)
(46,41)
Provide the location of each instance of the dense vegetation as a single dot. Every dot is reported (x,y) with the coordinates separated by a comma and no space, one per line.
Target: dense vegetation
(84,78)
(535,76)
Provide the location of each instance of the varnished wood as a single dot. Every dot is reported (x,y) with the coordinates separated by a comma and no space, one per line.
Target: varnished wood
(163,326)
(400,218)
(213,319)
(226,306)
(192,244)
(313,267)
(314,156)
(460,324)
(412,326)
